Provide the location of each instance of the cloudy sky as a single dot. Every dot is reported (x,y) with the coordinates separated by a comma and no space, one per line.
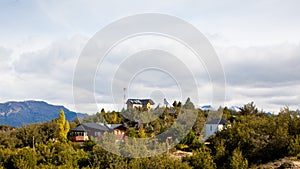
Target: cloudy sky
(257,43)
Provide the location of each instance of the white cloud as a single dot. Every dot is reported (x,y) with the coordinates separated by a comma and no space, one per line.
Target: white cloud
(257,43)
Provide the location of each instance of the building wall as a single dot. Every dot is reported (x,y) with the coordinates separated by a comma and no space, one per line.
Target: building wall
(211,129)
(79,136)
(129,105)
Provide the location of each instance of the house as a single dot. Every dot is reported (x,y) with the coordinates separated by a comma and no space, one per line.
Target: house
(213,126)
(118,129)
(78,134)
(139,103)
(86,131)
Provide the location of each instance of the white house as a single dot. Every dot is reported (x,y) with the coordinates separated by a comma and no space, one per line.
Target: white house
(213,126)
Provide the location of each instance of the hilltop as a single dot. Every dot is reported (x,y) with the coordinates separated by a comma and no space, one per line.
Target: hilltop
(22,113)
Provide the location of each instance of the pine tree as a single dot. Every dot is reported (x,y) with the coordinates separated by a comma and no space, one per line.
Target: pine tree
(294,146)
(201,159)
(189,104)
(237,161)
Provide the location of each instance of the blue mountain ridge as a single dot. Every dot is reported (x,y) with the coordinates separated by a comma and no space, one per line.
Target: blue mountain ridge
(22,113)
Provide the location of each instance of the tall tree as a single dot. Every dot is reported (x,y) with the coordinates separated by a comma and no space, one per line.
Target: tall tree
(189,104)
(63,126)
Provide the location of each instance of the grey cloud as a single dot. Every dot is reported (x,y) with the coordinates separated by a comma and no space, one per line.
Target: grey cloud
(285,101)
(56,61)
(5,59)
(262,66)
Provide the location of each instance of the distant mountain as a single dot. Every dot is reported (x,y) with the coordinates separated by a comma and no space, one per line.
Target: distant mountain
(235,108)
(26,112)
(207,108)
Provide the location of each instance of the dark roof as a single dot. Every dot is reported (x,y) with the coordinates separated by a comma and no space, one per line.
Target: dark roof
(79,128)
(146,101)
(86,126)
(112,126)
(140,101)
(96,126)
(217,121)
(134,101)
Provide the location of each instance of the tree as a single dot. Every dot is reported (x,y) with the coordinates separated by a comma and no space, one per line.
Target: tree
(188,104)
(100,158)
(201,159)
(294,145)
(249,108)
(25,158)
(190,140)
(142,133)
(63,126)
(179,104)
(175,103)
(237,161)
(159,162)
(220,153)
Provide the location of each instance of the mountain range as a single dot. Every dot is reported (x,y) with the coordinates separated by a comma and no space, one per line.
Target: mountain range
(16,114)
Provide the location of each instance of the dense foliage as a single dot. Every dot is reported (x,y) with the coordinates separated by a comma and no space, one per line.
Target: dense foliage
(250,138)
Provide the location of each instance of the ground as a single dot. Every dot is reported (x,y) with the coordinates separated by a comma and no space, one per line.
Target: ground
(287,162)
(179,154)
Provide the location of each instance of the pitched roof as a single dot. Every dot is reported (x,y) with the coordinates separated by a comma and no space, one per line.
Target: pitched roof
(146,101)
(113,126)
(86,126)
(104,127)
(217,121)
(79,128)
(134,101)
(96,126)
(140,101)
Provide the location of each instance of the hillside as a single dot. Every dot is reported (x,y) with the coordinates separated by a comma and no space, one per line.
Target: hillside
(26,112)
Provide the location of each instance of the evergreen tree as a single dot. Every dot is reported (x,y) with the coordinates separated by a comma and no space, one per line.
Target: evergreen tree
(294,146)
(25,158)
(249,108)
(237,161)
(189,104)
(201,159)
(179,104)
(175,103)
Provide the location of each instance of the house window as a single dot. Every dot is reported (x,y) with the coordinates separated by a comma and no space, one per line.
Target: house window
(97,133)
(78,133)
(210,128)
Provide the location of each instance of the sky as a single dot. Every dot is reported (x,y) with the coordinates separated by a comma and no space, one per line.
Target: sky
(256,41)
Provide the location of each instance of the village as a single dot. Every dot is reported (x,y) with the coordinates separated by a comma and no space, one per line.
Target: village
(86,131)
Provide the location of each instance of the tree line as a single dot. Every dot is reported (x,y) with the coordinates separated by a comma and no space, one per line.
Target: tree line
(253,138)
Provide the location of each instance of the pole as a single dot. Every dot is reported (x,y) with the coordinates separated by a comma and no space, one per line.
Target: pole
(33,143)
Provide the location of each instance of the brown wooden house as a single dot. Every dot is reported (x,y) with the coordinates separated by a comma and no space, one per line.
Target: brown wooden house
(86,131)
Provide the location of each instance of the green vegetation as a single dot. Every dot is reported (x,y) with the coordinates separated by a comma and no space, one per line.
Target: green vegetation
(253,138)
